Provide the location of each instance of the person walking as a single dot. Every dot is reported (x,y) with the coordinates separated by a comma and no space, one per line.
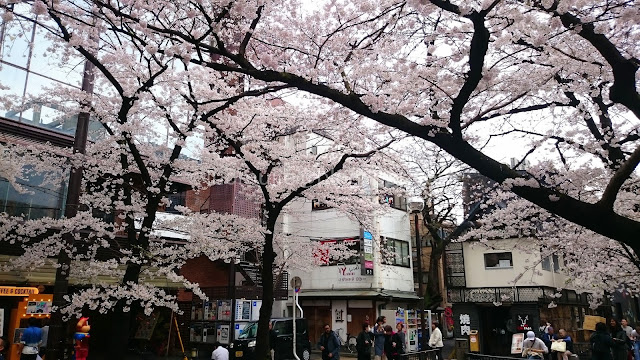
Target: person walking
(219,352)
(329,344)
(389,346)
(435,341)
(601,343)
(31,340)
(619,336)
(628,330)
(378,338)
(533,348)
(402,338)
(364,342)
(635,337)
(272,341)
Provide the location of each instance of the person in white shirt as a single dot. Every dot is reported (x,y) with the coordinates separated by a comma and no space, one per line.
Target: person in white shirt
(219,353)
(435,341)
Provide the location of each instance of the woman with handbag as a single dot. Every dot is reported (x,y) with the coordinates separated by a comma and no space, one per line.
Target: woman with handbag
(562,344)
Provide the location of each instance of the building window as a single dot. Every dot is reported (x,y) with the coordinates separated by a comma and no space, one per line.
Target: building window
(396,252)
(498,260)
(179,199)
(556,263)
(37,199)
(319,205)
(393,198)
(351,246)
(552,261)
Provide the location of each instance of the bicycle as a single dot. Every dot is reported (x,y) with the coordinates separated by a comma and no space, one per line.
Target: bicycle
(350,344)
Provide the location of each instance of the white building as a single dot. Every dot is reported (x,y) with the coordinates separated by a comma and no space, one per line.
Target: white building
(506,286)
(341,293)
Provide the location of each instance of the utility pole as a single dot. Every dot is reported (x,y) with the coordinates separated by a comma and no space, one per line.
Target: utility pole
(57,328)
(416,205)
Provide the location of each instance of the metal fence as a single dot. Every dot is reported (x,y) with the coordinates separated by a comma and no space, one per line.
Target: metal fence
(581,353)
(476,356)
(420,355)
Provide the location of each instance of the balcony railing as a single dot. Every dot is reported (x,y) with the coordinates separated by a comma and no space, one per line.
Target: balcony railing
(529,294)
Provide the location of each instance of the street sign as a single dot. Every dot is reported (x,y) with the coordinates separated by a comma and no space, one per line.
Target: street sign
(296,283)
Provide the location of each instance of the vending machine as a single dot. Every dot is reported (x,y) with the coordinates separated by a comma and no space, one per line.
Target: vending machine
(243,310)
(255,310)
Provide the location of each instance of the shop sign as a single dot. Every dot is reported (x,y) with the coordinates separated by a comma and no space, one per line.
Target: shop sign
(465,324)
(523,324)
(17,291)
(38,307)
(366,244)
(350,273)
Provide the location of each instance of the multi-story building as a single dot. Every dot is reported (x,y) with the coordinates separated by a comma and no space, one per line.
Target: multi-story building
(350,292)
(505,286)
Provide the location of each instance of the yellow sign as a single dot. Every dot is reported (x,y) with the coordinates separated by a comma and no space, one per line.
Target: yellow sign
(17,291)
(590,322)
(474,343)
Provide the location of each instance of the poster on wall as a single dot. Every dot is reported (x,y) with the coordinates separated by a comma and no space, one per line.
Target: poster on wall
(38,307)
(224,309)
(516,343)
(590,322)
(223,334)
(146,327)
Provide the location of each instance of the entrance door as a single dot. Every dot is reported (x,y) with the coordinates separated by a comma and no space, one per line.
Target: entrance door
(358,317)
(496,337)
(317,316)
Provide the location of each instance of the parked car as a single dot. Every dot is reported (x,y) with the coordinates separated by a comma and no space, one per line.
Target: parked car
(244,347)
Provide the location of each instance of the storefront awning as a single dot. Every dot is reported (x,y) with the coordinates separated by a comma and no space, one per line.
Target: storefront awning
(361,294)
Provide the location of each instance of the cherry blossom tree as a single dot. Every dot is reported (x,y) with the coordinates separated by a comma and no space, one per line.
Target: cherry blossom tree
(554,74)
(556,77)
(151,106)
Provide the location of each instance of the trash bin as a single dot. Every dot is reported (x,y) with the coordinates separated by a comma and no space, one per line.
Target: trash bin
(462,348)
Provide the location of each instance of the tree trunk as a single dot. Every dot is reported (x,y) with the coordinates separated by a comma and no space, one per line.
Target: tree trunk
(433,291)
(268,259)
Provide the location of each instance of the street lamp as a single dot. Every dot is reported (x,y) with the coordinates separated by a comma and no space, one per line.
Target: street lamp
(416,205)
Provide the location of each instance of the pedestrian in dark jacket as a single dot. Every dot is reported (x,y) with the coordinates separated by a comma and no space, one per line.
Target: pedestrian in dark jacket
(378,338)
(403,338)
(388,347)
(601,343)
(392,344)
(547,338)
(364,342)
(329,344)
(620,347)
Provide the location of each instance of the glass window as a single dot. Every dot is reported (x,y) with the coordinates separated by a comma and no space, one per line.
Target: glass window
(396,252)
(14,79)
(45,62)
(498,260)
(283,327)
(15,44)
(38,200)
(324,254)
(546,263)
(556,263)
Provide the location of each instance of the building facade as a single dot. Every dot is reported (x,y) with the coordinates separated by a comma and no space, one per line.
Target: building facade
(350,292)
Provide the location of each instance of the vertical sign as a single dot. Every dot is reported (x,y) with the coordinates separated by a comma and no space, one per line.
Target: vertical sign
(465,324)
(366,248)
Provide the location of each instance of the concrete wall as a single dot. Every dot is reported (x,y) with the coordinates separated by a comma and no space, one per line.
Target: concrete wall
(527,268)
